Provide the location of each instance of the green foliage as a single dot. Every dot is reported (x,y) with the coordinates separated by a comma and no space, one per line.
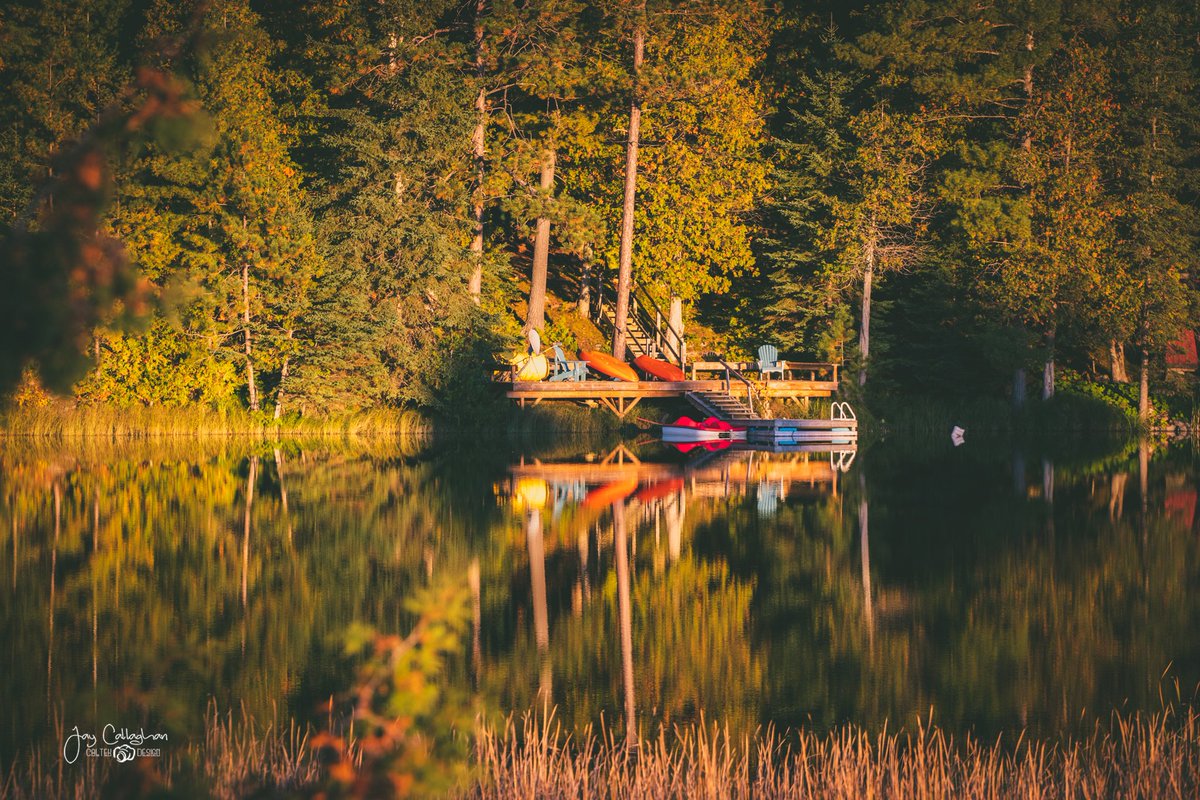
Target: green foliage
(161,366)
(411,734)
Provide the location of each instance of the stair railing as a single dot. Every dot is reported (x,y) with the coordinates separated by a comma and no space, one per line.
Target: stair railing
(732,371)
(650,324)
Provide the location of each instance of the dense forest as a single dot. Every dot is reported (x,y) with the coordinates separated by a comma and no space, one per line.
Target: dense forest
(343,204)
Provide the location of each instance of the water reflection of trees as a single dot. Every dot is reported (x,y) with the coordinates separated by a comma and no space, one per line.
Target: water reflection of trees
(143,579)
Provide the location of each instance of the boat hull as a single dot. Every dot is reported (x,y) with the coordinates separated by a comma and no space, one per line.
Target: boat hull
(672,435)
(607,365)
(663,370)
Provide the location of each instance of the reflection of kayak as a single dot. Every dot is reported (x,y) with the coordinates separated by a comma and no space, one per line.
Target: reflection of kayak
(530,493)
(660,489)
(686,429)
(712,447)
(663,370)
(607,365)
(532,368)
(610,493)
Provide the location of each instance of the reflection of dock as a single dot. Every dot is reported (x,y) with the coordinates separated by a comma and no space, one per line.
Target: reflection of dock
(734,466)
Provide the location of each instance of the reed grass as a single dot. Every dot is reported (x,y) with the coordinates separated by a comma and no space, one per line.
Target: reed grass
(1134,755)
(62,419)
(237,758)
(1137,756)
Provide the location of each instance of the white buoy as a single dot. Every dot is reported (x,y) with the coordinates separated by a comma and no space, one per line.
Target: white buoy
(956,435)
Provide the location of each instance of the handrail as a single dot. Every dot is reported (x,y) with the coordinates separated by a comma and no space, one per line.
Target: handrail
(841,410)
(641,303)
(750,390)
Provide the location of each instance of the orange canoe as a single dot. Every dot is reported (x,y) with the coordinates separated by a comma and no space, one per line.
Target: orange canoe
(663,370)
(607,365)
(610,493)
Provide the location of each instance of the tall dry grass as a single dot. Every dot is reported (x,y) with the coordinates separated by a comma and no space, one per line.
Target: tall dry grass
(1138,756)
(61,419)
(237,758)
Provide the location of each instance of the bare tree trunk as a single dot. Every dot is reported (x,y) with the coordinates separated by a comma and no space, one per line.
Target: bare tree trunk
(1116,360)
(1048,369)
(1144,387)
(1019,377)
(625,257)
(475,285)
(536,318)
(250,385)
(864,332)
(283,376)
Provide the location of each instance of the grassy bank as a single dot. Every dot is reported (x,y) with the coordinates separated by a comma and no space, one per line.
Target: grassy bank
(64,419)
(60,419)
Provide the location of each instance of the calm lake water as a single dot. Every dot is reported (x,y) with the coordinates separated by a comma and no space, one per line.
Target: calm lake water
(1000,587)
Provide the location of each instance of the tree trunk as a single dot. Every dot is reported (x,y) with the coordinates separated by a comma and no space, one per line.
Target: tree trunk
(283,376)
(625,257)
(1116,360)
(585,290)
(250,386)
(536,318)
(1048,370)
(1019,388)
(475,285)
(864,332)
(1144,387)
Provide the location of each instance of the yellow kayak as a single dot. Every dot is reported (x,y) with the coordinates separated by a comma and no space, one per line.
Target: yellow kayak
(532,368)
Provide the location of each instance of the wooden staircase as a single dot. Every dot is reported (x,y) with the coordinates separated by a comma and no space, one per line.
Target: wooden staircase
(646,332)
(637,341)
(721,405)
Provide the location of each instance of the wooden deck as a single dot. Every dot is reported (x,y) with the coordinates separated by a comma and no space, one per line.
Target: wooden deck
(621,396)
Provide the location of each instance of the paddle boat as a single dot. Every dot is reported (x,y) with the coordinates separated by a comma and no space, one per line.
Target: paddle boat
(686,429)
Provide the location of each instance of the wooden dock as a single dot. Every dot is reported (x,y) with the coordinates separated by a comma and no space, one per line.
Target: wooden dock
(717,389)
(620,396)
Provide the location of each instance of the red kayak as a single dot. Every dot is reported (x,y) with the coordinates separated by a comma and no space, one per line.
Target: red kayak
(686,429)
